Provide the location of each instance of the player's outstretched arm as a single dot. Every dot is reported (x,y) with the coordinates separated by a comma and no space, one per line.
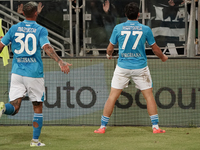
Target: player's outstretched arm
(157,51)
(110,50)
(64,66)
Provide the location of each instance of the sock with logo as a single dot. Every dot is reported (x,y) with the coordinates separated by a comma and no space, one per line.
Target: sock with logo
(38,118)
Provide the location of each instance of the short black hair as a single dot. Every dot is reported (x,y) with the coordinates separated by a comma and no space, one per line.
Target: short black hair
(29,9)
(132,10)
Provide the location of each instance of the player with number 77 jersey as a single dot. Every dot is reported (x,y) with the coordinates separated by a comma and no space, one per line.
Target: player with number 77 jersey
(132,64)
(27,39)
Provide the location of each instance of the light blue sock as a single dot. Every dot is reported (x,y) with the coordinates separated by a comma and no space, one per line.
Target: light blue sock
(104,121)
(154,119)
(10,109)
(39,119)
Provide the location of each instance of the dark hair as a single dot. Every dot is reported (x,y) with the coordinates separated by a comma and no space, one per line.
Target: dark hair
(29,9)
(132,10)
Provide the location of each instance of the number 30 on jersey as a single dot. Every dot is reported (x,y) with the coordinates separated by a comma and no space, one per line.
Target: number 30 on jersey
(24,44)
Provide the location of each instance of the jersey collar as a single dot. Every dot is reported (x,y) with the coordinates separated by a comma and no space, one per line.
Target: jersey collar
(132,21)
(29,21)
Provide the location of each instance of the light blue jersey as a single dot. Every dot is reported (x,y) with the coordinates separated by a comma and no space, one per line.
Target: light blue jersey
(27,39)
(131,37)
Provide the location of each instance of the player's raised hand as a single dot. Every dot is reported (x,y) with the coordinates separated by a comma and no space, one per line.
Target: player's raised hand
(64,66)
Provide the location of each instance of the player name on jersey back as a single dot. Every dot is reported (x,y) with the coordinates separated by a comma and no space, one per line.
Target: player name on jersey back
(24,29)
(132,27)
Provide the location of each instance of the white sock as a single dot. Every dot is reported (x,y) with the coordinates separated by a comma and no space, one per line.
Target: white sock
(102,127)
(155,126)
(35,140)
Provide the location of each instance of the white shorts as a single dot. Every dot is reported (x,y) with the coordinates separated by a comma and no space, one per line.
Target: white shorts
(20,86)
(141,78)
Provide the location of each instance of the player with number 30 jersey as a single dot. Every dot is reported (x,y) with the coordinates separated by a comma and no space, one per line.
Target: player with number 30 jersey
(27,39)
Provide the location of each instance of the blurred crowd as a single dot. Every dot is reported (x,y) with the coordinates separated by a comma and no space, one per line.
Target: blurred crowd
(105,14)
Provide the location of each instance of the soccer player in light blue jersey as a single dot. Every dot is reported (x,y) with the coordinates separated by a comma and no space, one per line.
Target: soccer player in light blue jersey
(27,38)
(132,64)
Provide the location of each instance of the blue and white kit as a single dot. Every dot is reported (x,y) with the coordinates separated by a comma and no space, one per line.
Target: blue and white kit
(131,37)
(27,40)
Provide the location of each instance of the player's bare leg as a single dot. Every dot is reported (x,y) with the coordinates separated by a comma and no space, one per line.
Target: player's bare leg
(108,109)
(152,110)
(151,104)
(110,103)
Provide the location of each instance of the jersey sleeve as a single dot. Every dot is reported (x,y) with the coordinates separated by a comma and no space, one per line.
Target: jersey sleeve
(150,37)
(114,36)
(43,38)
(7,38)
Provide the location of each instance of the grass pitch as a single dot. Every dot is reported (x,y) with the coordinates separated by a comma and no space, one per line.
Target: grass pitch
(115,138)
